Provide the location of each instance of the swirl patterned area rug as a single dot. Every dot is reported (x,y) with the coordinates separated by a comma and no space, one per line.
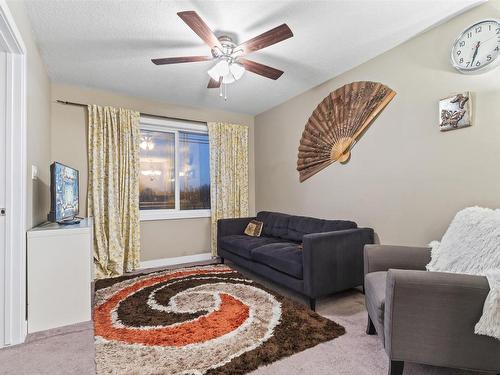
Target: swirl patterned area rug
(199,320)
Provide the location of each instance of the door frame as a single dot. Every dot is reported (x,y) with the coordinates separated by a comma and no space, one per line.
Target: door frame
(14,281)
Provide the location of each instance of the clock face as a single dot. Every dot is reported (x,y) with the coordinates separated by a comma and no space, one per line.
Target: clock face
(477,48)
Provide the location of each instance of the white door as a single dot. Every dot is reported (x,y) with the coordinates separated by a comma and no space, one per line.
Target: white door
(3,145)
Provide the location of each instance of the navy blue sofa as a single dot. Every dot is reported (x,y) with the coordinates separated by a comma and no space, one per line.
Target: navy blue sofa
(312,256)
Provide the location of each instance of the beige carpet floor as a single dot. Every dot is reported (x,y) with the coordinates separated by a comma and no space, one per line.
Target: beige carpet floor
(70,350)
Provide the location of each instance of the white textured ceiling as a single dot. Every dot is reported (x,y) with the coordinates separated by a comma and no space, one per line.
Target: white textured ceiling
(108,44)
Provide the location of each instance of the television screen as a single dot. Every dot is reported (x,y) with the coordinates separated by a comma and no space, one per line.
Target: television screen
(64,192)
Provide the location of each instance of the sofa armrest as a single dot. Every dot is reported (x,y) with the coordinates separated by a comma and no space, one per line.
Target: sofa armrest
(227,227)
(382,257)
(430,317)
(333,261)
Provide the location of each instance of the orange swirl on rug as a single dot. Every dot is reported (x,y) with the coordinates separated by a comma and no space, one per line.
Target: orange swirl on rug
(230,315)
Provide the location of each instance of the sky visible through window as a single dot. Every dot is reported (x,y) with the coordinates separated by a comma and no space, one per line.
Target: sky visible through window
(194,171)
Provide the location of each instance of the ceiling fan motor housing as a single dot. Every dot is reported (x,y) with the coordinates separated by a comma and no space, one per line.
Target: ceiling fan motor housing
(228,47)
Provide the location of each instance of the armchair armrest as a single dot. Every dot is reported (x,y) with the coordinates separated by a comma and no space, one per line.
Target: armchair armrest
(383,257)
(430,318)
(333,261)
(227,227)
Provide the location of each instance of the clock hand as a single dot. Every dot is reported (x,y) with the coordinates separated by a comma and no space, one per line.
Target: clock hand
(494,36)
(475,52)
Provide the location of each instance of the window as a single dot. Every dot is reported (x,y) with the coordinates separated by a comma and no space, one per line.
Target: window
(157,179)
(174,177)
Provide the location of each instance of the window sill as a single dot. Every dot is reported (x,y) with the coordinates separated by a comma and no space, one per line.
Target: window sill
(149,215)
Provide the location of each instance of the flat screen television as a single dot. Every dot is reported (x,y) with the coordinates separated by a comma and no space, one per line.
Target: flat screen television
(64,194)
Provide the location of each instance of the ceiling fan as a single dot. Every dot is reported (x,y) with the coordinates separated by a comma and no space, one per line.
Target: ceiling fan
(230,65)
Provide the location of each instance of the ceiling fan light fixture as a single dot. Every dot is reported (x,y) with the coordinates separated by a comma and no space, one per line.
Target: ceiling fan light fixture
(221,69)
(147,143)
(237,70)
(228,78)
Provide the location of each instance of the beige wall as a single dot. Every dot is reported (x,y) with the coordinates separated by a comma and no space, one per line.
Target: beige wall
(38,121)
(159,239)
(406,179)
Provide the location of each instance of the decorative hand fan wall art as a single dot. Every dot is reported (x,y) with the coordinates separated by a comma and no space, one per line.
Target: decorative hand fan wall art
(336,124)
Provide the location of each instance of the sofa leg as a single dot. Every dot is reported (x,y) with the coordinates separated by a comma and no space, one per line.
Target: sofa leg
(312,304)
(221,260)
(396,367)
(370,328)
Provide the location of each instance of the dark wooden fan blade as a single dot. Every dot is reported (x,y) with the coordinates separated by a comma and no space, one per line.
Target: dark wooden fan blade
(194,21)
(178,60)
(213,84)
(260,69)
(266,39)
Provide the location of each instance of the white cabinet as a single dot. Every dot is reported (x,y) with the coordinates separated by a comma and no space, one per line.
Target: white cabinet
(59,275)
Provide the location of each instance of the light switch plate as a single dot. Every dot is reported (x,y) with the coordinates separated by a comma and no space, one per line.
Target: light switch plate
(34,172)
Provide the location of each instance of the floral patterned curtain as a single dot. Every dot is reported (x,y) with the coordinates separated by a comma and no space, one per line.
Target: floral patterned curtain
(228,173)
(113,188)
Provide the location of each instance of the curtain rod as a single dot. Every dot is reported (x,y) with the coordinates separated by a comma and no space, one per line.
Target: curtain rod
(142,113)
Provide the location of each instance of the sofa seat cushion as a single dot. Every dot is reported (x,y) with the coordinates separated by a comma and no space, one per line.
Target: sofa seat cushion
(241,244)
(375,286)
(285,257)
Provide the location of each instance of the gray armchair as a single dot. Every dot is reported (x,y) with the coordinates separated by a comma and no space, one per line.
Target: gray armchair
(425,317)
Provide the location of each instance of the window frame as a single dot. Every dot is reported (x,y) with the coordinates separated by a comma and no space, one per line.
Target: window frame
(173,126)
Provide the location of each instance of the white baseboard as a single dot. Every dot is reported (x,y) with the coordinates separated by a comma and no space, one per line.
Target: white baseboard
(174,261)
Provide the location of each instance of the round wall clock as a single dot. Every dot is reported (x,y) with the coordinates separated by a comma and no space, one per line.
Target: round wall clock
(477,49)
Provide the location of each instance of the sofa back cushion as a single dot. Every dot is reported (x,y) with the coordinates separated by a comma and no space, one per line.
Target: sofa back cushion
(275,223)
(293,228)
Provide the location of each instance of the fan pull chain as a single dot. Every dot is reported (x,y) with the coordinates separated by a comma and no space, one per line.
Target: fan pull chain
(223,91)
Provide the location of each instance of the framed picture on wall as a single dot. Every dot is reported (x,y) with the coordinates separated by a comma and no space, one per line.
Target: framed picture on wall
(455,111)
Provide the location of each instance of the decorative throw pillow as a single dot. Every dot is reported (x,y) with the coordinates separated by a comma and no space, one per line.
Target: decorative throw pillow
(254,228)
(470,245)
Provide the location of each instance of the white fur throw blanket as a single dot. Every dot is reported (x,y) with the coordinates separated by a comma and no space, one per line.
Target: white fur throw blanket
(471,245)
